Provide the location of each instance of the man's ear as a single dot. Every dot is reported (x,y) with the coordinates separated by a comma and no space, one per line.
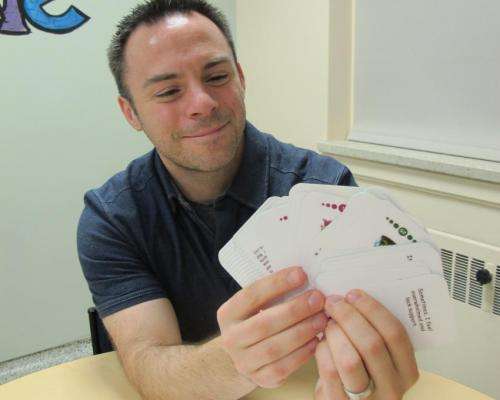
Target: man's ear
(241,75)
(129,113)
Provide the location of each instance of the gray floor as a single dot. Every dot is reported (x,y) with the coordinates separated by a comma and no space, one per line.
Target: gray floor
(12,369)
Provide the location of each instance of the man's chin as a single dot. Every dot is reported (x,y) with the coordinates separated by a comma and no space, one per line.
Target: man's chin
(206,162)
(210,164)
(215,160)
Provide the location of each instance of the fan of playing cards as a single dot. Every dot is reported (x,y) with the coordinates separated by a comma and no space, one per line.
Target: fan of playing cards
(345,238)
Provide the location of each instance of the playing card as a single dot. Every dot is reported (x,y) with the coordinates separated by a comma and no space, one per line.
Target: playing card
(347,238)
(384,195)
(336,190)
(340,281)
(377,258)
(270,203)
(258,248)
(312,212)
(422,304)
(369,222)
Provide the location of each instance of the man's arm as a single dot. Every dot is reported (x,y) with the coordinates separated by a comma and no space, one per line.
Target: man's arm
(139,318)
(260,345)
(150,348)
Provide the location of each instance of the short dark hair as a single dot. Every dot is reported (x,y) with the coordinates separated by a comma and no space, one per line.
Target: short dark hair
(149,13)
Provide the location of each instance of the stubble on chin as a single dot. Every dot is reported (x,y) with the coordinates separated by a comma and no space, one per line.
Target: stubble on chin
(207,159)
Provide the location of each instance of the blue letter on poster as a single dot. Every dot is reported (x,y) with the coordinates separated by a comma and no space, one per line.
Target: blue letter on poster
(72,19)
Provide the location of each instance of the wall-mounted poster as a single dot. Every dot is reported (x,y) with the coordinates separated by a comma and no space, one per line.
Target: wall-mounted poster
(16,17)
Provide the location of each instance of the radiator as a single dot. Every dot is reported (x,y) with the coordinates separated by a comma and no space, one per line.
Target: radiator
(462,259)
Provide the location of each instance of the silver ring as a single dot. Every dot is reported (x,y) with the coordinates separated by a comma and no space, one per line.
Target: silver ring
(361,395)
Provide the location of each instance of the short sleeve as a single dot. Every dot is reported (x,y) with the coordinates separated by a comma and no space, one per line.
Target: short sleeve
(346,178)
(117,275)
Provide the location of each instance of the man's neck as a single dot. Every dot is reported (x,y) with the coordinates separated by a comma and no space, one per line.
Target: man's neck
(204,187)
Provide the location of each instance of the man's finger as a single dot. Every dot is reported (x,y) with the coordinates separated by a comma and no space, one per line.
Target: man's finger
(249,300)
(274,374)
(348,362)
(367,343)
(285,342)
(331,384)
(278,318)
(393,332)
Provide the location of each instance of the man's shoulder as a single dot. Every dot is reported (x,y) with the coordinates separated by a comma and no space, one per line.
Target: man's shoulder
(304,165)
(123,203)
(127,183)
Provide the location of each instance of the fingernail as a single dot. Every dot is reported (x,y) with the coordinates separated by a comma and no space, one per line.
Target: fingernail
(319,322)
(314,300)
(295,277)
(334,298)
(354,295)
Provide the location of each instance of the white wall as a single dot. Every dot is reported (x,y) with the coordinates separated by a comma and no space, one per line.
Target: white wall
(61,133)
(283,48)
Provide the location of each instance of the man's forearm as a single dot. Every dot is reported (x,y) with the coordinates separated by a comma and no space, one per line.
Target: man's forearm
(186,372)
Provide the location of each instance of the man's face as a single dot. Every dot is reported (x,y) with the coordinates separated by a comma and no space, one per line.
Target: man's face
(187,90)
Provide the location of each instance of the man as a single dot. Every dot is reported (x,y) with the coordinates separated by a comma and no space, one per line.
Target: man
(148,238)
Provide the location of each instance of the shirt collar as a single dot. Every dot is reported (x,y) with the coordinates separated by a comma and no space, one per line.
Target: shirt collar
(251,182)
(173,193)
(250,186)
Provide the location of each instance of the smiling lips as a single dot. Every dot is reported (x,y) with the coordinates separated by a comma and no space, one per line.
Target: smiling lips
(207,132)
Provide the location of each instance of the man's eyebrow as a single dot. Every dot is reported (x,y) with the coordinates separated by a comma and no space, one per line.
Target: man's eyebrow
(216,61)
(172,75)
(159,78)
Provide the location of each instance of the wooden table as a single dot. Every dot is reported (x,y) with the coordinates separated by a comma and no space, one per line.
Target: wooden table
(101,377)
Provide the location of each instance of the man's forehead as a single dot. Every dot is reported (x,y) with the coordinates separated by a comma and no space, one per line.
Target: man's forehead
(175,32)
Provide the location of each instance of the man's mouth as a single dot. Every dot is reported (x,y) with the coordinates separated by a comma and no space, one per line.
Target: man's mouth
(207,132)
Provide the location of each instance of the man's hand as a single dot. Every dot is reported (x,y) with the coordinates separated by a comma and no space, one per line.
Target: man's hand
(268,344)
(362,341)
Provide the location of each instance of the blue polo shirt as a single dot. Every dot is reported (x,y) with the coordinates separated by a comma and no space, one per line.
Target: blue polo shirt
(139,239)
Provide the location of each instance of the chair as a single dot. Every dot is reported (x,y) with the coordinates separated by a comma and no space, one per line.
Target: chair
(98,334)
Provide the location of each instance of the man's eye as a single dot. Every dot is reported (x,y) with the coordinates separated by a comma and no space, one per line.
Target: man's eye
(218,78)
(168,93)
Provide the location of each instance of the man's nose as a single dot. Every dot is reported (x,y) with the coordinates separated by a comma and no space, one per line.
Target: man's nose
(201,103)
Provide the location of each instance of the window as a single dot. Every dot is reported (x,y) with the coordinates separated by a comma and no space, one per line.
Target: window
(424,75)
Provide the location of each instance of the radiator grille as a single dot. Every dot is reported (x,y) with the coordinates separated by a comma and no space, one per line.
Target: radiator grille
(460,277)
(459,271)
(475,288)
(447,259)
(496,298)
